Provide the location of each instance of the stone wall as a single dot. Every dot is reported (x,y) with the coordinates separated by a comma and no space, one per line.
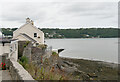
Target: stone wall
(18,72)
(34,54)
(21,46)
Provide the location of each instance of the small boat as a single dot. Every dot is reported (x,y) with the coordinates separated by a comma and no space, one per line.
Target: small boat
(58,50)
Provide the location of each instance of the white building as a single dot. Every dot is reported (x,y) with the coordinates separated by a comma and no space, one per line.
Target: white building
(10,47)
(0,34)
(28,32)
(4,47)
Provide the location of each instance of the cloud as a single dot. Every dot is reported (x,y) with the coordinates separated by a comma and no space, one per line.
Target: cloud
(18,12)
(60,14)
(89,9)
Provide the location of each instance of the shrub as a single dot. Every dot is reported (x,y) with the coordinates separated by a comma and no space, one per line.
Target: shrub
(54,54)
(3,66)
(26,44)
(42,46)
(23,61)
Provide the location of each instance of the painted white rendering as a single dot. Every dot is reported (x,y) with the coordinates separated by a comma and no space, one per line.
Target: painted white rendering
(5,48)
(0,34)
(14,50)
(10,47)
(28,32)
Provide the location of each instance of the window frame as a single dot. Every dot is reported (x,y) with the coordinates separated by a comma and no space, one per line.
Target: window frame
(35,34)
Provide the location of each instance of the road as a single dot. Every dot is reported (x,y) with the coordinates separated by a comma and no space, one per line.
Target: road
(5,75)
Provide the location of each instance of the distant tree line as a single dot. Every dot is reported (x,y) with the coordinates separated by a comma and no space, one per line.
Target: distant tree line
(84,33)
(73,33)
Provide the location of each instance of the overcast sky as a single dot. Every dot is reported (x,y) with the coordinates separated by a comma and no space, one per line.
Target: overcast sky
(59,13)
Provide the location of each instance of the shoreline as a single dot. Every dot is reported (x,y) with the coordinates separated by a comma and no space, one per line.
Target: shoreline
(81,38)
(95,70)
(111,64)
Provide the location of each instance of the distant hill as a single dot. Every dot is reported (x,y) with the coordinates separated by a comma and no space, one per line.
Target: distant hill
(73,33)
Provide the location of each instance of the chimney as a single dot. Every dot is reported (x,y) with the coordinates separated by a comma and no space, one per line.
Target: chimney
(32,22)
(28,20)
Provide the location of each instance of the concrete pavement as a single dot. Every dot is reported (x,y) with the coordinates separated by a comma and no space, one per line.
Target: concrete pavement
(5,75)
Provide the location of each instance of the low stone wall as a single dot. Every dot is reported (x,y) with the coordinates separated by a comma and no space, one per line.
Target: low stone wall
(18,72)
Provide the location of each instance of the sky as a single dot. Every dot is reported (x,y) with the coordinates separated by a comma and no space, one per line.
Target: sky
(60,13)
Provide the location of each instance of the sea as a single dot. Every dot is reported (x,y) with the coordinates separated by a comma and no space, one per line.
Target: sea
(98,49)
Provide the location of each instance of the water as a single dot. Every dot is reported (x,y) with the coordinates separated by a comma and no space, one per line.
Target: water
(100,49)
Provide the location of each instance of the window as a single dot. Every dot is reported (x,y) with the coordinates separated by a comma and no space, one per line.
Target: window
(35,34)
(38,36)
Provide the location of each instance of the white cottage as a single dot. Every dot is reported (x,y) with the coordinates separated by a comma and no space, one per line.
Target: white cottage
(0,34)
(28,32)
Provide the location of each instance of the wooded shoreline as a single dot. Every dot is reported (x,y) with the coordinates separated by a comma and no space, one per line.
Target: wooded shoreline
(72,33)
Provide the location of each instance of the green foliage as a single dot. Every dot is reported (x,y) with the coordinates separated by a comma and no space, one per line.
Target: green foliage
(26,44)
(23,61)
(7,31)
(83,32)
(3,66)
(74,33)
(42,46)
(54,53)
(41,73)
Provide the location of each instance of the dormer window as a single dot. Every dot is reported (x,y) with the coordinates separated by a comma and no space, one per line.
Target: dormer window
(35,34)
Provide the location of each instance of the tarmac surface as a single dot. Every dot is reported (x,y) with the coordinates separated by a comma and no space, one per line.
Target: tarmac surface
(5,75)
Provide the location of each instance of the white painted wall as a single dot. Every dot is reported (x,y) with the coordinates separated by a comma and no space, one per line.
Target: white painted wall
(0,34)
(11,48)
(29,29)
(21,38)
(14,50)
(5,48)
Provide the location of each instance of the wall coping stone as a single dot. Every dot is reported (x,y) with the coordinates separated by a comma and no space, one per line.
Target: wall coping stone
(21,73)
